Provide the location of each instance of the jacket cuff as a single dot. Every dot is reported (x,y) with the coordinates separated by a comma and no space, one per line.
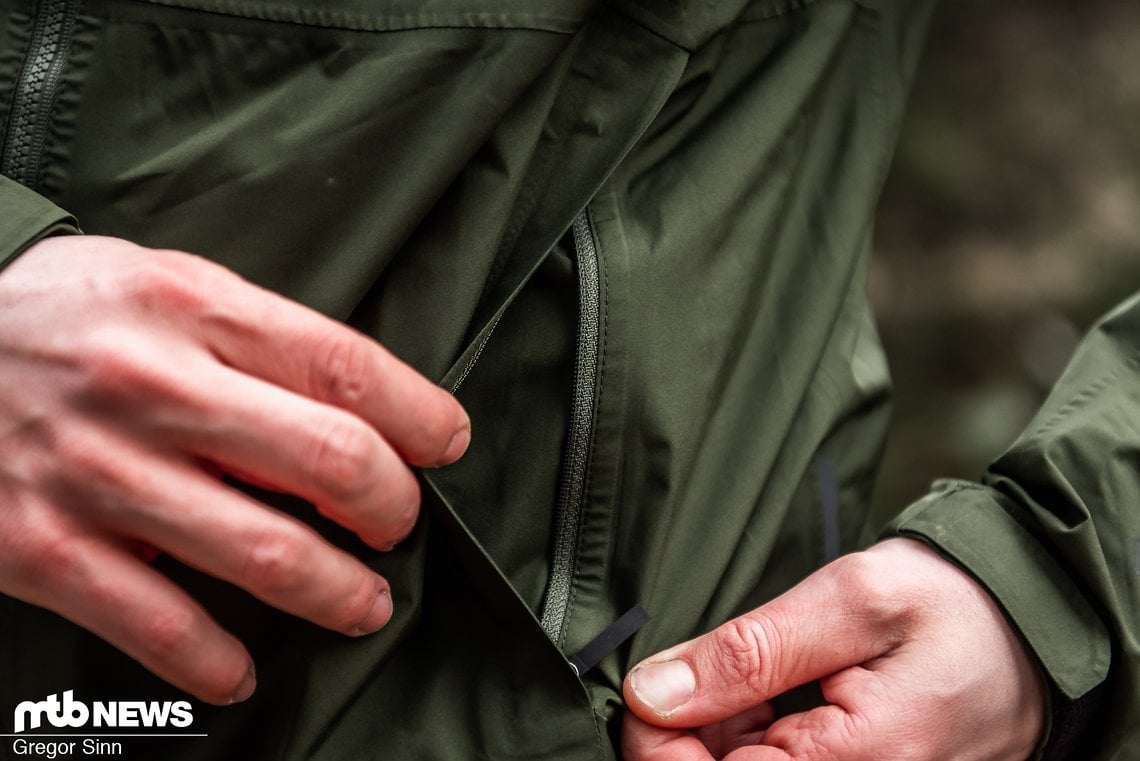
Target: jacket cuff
(26,218)
(975,527)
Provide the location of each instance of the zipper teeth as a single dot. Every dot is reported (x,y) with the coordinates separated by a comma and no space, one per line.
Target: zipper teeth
(576,463)
(36,90)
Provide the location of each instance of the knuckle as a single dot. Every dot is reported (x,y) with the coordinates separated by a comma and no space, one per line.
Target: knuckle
(743,648)
(109,368)
(873,588)
(81,459)
(167,282)
(119,370)
(41,559)
(168,633)
(97,475)
(342,372)
(276,563)
(824,734)
(344,457)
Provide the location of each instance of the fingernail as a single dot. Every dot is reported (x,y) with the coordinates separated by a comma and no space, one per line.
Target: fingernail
(380,614)
(246,688)
(664,687)
(458,444)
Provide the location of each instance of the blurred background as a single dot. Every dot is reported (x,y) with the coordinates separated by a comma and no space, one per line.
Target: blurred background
(1010,222)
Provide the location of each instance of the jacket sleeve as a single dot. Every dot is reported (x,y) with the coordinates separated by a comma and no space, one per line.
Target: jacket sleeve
(1053,531)
(27,217)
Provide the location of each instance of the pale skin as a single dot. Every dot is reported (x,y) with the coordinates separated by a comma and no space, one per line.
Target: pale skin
(134,379)
(915,661)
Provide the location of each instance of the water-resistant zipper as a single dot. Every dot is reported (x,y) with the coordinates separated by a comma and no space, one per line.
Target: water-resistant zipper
(29,120)
(576,457)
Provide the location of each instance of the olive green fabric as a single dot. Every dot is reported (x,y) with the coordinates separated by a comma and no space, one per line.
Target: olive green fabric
(413,168)
(1054,530)
(27,218)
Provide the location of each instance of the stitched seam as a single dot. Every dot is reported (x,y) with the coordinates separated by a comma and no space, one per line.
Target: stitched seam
(362,23)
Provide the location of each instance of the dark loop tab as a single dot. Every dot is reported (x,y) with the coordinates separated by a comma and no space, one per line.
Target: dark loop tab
(609,640)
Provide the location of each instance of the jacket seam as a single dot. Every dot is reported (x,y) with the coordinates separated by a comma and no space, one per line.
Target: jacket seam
(1084,396)
(322,19)
(642,25)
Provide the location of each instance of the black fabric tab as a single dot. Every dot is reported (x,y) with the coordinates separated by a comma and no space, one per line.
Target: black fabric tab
(609,640)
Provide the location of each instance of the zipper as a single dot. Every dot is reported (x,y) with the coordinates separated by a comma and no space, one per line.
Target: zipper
(576,457)
(29,121)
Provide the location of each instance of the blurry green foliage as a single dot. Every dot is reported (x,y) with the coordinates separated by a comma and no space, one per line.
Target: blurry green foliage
(1011,220)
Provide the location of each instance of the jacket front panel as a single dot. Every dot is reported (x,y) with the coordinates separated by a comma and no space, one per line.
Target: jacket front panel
(739,359)
(414,169)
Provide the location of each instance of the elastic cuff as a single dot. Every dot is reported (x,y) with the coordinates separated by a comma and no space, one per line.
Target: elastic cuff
(973,526)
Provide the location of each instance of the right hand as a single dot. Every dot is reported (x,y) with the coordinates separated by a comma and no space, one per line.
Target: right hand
(131,379)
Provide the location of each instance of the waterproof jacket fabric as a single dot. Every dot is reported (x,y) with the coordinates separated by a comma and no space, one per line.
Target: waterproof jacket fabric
(632,236)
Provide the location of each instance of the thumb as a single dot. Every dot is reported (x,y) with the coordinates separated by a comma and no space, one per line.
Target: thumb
(847,613)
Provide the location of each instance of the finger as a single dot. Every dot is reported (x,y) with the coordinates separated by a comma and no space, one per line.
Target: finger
(330,457)
(645,742)
(109,592)
(760,753)
(273,338)
(739,731)
(827,733)
(840,616)
(173,506)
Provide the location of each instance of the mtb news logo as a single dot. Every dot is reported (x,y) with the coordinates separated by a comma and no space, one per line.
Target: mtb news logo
(60,726)
(70,713)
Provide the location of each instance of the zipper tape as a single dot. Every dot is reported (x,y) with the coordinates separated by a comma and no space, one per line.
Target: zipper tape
(576,456)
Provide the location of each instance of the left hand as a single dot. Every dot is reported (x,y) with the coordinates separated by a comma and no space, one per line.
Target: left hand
(915,660)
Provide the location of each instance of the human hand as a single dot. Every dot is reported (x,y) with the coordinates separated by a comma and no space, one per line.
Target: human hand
(914,658)
(133,378)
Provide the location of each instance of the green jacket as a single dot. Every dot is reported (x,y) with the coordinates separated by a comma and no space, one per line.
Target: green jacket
(632,235)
